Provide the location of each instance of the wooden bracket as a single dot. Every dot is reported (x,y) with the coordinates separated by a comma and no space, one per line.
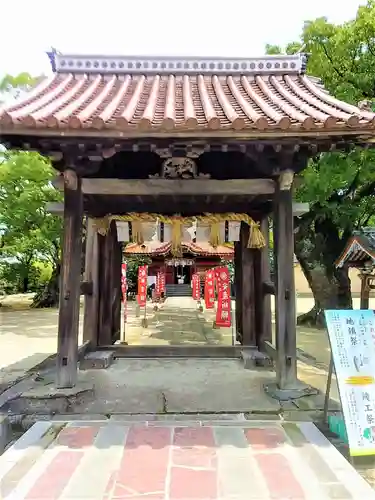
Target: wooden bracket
(286,180)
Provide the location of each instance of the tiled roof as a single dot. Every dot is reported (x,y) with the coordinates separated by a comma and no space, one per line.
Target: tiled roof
(359,249)
(158,248)
(167,94)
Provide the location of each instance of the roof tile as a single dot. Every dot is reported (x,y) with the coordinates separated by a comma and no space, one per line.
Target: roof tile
(166,100)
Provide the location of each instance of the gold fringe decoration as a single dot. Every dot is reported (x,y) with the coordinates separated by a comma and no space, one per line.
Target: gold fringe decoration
(215,234)
(256,238)
(177,237)
(137,235)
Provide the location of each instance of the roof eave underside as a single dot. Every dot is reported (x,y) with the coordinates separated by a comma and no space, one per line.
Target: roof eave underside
(357,251)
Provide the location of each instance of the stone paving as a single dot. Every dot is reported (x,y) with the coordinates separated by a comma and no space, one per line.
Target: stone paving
(228,460)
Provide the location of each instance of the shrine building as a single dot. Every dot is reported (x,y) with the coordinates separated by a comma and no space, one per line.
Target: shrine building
(172,141)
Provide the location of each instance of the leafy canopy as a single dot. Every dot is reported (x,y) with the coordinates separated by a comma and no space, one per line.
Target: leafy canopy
(340,186)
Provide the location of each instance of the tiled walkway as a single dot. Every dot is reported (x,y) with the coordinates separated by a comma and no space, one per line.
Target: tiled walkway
(226,460)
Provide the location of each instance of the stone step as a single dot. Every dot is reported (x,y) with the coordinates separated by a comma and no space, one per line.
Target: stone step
(168,351)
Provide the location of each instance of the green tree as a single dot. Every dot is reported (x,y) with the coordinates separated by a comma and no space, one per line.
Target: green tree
(339,186)
(30,233)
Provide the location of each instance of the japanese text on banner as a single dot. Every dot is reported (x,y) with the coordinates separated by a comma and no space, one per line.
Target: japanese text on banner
(209,291)
(124,289)
(142,285)
(196,285)
(223,313)
(352,339)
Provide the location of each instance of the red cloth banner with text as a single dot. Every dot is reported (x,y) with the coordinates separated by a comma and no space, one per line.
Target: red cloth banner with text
(196,286)
(223,312)
(209,291)
(124,289)
(160,284)
(142,285)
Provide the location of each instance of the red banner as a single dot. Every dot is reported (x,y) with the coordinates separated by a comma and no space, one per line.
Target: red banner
(196,286)
(160,284)
(124,289)
(142,285)
(223,312)
(209,291)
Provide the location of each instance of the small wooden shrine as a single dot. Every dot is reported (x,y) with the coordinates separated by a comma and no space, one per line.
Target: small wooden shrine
(359,252)
(180,141)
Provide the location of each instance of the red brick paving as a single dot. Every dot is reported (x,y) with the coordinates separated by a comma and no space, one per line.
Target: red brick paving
(182,463)
(144,465)
(55,477)
(194,466)
(263,439)
(279,476)
(77,437)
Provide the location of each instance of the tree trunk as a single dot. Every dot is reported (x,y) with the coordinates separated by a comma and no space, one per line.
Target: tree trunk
(49,296)
(25,284)
(317,245)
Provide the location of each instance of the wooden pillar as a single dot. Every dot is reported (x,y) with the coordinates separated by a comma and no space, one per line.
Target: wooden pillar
(238,290)
(67,339)
(285,307)
(91,309)
(365,291)
(109,288)
(247,289)
(262,275)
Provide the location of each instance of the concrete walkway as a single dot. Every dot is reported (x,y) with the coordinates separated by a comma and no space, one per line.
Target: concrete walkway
(227,460)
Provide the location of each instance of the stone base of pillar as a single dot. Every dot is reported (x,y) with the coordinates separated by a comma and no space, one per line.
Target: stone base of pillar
(295,391)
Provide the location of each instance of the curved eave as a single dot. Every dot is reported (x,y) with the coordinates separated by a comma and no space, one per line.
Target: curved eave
(355,253)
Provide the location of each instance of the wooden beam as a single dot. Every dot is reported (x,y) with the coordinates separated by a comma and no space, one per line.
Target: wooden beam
(165,187)
(67,338)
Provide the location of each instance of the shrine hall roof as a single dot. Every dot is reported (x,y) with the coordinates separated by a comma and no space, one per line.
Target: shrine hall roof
(156,248)
(359,249)
(124,95)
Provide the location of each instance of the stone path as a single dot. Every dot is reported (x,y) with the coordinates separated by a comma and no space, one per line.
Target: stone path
(232,460)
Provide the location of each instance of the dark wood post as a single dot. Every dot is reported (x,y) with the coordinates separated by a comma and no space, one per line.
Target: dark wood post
(90,319)
(247,289)
(365,291)
(109,287)
(67,339)
(238,290)
(263,314)
(285,307)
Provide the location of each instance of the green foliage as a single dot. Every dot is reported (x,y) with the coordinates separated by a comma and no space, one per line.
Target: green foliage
(133,262)
(340,186)
(30,233)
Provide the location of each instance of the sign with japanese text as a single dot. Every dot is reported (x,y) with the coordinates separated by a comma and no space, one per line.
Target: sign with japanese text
(124,289)
(196,286)
(223,318)
(352,338)
(142,285)
(209,291)
(160,283)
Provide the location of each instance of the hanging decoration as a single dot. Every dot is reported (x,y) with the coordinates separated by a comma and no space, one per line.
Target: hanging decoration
(217,228)
(142,286)
(209,291)
(223,313)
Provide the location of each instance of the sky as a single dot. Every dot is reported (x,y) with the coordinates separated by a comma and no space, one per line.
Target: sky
(160,27)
